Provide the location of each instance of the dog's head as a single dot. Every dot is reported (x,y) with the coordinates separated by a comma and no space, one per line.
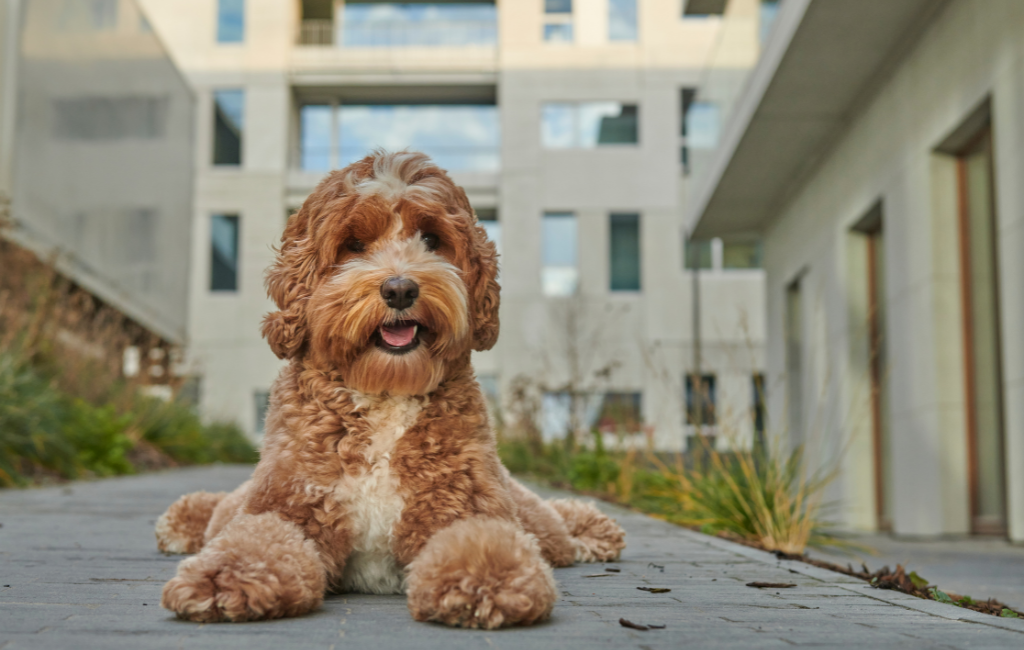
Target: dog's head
(385,277)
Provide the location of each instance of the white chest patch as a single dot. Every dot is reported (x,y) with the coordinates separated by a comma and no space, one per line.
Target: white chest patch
(372,500)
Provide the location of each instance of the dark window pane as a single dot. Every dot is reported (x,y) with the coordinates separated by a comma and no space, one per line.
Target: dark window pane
(558,6)
(700,395)
(224,253)
(698,254)
(620,412)
(228,125)
(619,127)
(230,21)
(741,255)
(625,252)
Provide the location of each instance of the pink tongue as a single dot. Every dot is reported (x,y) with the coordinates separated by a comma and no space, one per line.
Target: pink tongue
(398,336)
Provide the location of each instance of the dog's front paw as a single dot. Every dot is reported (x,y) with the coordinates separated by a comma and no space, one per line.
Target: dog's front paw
(259,567)
(481,573)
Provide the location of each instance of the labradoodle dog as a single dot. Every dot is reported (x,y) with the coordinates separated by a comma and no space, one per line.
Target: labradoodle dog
(379,472)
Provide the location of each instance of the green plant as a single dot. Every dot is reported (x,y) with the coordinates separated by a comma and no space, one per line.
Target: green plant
(98,435)
(175,428)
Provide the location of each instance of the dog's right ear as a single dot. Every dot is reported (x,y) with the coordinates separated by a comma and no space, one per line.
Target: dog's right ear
(287,283)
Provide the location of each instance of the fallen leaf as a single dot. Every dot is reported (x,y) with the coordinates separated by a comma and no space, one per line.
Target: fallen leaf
(655,590)
(771,585)
(918,581)
(656,566)
(613,570)
(1008,613)
(656,627)
(597,575)
(630,624)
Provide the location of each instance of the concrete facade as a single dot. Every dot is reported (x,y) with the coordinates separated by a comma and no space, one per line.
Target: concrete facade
(895,149)
(646,335)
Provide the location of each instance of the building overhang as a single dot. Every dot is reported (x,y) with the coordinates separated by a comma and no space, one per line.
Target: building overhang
(823,61)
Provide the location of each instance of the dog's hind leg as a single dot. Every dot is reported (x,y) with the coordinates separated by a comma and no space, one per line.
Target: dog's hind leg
(539,518)
(595,535)
(196,518)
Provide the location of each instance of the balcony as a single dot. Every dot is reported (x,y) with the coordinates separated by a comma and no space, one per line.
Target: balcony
(395,36)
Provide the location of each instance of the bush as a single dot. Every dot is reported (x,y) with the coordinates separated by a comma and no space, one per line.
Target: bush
(46,432)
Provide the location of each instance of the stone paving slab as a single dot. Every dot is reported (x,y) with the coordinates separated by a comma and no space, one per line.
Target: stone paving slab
(84,572)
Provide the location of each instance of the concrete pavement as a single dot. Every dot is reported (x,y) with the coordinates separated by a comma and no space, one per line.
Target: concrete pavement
(79,569)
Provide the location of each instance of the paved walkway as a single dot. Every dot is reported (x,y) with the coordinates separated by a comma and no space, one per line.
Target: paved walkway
(982,567)
(79,569)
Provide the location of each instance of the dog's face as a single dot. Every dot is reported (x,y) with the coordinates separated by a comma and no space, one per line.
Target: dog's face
(385,277)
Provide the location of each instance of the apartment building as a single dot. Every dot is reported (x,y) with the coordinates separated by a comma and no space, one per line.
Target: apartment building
(892,225)
(572,125)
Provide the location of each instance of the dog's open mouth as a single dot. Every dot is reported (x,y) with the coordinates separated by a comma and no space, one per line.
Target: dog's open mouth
(399,337)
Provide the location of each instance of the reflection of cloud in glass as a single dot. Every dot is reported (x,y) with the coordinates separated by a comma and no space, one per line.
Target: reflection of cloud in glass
(558,32)
(315,127)
(622,20)
(396,24)
(702,123)
(457,137)
(559,277)
(558,129)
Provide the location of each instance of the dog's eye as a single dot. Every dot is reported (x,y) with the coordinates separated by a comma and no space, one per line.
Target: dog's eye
(432,241)
(355,246)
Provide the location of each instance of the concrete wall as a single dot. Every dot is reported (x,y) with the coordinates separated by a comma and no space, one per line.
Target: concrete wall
(971,52)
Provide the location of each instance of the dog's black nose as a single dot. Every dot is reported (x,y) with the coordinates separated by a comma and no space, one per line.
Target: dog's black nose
(399,293)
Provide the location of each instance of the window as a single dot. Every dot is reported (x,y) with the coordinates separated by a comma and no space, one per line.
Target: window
(458,137)
(700,399)
(224,253)
(228,126)
(620,413)
(315,133)
(230,21)
(624,252)
(558,21)
(419,24)
(559,275)
(698,254)
(703,8)
(769,12)
(261,400)
(110,118)
(686,96)
(622,23)
(588,125)
(758,411)
(794,360)
(488,219)
(741,255)
(702,125)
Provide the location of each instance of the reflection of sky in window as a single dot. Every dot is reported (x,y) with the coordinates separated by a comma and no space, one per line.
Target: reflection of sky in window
(396,24)
(232,104)
(230,21)
(558,32)
(622,20)
(769,10)
(559,275)
(558,128)
(458,138)
(315,134)
(702,123)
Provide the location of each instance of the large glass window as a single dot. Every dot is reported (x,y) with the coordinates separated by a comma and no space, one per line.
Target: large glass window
(558,21)
(456,137)
(228,126)
(620,413)
(624,252)
(560,273)
(393,24)
(622,23)
(230,21)
(588,125)
(702,125)
(224,252)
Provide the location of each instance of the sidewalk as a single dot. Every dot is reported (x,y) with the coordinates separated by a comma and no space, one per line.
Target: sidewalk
(83,571)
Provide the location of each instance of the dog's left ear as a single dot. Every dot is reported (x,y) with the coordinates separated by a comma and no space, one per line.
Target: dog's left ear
(485,292)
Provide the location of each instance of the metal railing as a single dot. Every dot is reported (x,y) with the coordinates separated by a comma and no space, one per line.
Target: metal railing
(316,32)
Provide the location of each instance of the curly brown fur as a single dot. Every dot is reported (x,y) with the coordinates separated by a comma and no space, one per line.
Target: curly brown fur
(180,529)
(378,455)
(481,573)
(258,567)
(596,535)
